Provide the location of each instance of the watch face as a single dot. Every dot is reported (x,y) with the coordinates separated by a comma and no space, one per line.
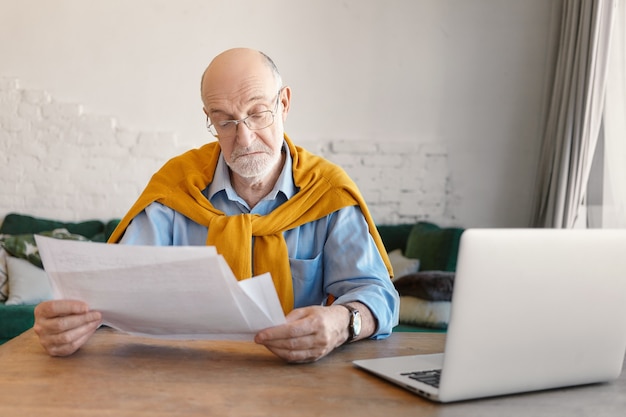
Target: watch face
(356,323)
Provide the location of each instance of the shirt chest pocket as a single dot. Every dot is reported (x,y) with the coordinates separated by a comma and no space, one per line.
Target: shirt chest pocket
(306,269)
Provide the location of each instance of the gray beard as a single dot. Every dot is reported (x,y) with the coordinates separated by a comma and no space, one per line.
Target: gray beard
(254,167)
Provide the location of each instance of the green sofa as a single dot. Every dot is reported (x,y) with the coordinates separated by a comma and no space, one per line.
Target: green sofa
(425,288)
(435,247)
(15,319)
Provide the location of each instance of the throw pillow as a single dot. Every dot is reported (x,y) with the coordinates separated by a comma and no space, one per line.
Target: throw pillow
(24,246)
(4,278)
(27,283)
(401,264)
(19,224)
(418,312)
(427,285)
(437,248)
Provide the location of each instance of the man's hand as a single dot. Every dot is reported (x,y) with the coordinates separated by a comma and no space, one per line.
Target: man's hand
(313,332)
(63,326)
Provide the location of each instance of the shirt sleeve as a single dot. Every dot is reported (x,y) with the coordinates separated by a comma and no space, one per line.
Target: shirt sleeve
(355,270)
(159,225)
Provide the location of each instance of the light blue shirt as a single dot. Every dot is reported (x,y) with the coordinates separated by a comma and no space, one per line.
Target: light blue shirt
(333,255)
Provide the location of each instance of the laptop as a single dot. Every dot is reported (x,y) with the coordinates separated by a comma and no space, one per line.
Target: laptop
(532,309)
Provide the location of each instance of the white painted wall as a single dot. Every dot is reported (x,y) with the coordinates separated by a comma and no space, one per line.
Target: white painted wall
(468,75)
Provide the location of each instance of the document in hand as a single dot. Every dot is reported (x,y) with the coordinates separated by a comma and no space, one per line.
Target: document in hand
(174,292)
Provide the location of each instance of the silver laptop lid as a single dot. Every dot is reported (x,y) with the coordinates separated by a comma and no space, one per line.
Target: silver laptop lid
(535,309)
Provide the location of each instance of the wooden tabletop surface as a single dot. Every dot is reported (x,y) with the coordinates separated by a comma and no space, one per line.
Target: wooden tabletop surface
(121,375)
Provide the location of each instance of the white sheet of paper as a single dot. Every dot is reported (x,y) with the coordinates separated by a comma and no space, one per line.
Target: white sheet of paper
(174,292)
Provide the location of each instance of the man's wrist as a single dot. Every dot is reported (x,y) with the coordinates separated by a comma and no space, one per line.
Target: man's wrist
(354,323)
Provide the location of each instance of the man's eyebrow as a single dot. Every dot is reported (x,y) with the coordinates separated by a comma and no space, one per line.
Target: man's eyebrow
(216,114)
(256,98)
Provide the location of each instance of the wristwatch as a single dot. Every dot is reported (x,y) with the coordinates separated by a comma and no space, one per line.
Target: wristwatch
(354,328)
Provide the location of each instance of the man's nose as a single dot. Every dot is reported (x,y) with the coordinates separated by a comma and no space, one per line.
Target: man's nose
(245,136)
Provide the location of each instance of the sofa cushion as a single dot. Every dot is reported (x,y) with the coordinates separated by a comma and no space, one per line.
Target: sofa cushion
(28,284)
(14,320)
(427,285)
(401,264)
(18,224)
(4,277)
(425,298)
(436,247)
(424,313)
(394,236)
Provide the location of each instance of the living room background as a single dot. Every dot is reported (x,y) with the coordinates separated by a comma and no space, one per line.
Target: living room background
(435,107)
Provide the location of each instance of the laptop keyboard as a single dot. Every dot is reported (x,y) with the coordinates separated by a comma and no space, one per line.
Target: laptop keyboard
(430,377)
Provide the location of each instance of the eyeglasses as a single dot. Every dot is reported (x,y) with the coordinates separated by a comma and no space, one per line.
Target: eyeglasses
(254,121)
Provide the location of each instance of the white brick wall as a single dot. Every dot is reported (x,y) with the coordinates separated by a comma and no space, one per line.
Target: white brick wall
(58,162)
(402,183)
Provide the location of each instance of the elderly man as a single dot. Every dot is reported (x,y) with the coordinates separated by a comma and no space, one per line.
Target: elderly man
(267,206)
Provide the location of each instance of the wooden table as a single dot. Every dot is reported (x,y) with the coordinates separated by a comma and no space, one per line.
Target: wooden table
(121,375)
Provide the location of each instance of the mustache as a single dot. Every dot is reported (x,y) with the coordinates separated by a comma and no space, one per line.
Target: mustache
(258,147)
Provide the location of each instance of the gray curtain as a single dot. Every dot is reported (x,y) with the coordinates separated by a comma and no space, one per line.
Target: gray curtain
(614,175)
(575,112)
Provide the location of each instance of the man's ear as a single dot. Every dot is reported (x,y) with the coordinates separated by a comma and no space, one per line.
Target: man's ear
(285,100)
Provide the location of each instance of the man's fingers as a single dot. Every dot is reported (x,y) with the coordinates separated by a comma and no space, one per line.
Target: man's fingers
(68,342)
(57,308)
(63,326)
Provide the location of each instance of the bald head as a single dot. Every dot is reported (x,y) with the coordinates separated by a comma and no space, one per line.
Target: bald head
(236,69)
(246,107)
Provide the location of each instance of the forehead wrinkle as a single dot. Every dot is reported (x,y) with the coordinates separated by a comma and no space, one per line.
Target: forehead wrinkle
(243,97)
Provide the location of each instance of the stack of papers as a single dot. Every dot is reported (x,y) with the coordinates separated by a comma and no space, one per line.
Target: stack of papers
(173,292)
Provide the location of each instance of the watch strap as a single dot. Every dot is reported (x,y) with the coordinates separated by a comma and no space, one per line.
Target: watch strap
(353,313)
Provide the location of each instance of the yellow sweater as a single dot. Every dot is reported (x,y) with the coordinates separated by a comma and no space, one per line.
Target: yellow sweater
(324,189)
